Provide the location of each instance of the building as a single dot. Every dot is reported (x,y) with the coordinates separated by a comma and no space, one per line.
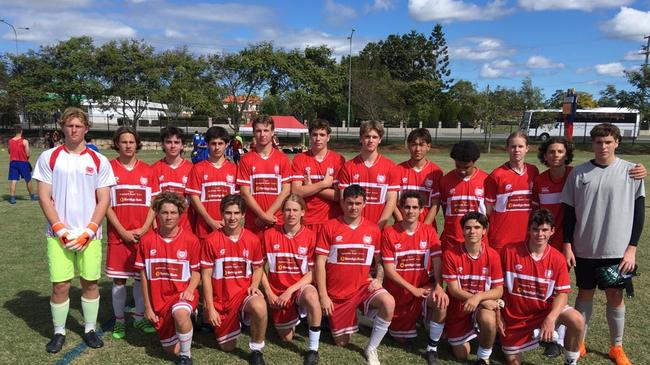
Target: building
(251,109)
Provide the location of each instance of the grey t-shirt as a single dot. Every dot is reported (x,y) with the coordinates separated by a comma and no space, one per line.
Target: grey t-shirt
(603,198)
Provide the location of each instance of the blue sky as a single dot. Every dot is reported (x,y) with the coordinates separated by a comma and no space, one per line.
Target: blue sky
(585,44)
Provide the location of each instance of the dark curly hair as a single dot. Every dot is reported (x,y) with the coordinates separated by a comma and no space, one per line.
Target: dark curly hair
(543,148)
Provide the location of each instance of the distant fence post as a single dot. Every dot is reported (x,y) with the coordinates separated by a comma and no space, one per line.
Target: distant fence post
(584,136)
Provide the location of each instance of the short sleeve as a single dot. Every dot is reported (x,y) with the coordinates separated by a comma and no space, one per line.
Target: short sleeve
(285,170)
(449,267)
(435,246)
(640,189)
(491,188)
(195,253)
(568,196)
(563,281)
(323,241)
(311,248)
(42,171)
(256,252)
(537,182)
(387,247)
(436,177)
(105,176)
(194,185)
(344,179)
(155,184)
(297,168)
(243,172)
(496,271)
(394,175)
(207,255)
(139,255)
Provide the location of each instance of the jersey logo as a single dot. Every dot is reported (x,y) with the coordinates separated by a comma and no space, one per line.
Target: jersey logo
(117,179)
(245,253)
(423,244)
(356,177)
(308,170)
(330,171)
(153,252)
(545,189)
(302,250)
(90,170)
(367,239)
(222,251)
(184,179)
(381,178)
(460,269)
(339,238)
(508,187)
(518,267)
(181,254)
(143,180)
(405,180)
(276,169)
(276,247)
(428,183)
(398,246)
(161,178)
(548,273)
(484,271)
(230,178)
(205,177)
(253,168)
(478,191)
(452,191)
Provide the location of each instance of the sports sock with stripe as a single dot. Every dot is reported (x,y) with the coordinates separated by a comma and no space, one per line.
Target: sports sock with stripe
(185,340)
(435,331)
(616,321)
(139,300)
(314,338)
(379,330)
(118,297)
(60,315)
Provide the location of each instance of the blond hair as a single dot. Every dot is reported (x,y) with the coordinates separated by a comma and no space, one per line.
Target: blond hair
(73,112)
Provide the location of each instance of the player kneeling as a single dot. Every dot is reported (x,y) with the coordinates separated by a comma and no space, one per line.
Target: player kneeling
(345,250)
(289,250)
(410,252)
(169,261)
(231,269)
(537,286)
(474,282)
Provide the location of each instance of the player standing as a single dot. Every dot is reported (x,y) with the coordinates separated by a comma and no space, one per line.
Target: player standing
(315,176)
(173,170)
(289,251)
(474,280)
(129,217)
(537,285)
(509,194)
(74,194)
(210,181)
(461,192)
(231,269)
(410,252)
(18,148)
(345,250)
(604,212)
(169,260)
(375,173)
(264,178)
(421,175)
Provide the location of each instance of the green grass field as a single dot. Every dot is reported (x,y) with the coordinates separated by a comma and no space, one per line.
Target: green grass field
(26,323)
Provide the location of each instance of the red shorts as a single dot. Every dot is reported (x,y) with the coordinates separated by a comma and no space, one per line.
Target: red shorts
(166,326)
(519,333)
(120,260)
(460,327)
(232,318)
(289,317)
(343,319)
(407,312)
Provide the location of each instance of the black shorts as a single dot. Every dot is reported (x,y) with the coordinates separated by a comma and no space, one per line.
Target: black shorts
(586,271)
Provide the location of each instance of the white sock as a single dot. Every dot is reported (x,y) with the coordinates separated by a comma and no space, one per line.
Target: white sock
(185,340)
(561,330)
(483,353)
(571,357)
(255,346)
(435,331)
(118,296)
(314,338)
(379,330)
(139,300)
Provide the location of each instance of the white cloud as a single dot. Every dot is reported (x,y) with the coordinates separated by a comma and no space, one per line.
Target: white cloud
(36,5)
(173,33)
(610,69)
(339,44)
(480,48)
(336,13)
(542,62)
(455,10)
(584,5)
(501,69)
(634,56)
(380,5)
(229,13)
(629,23)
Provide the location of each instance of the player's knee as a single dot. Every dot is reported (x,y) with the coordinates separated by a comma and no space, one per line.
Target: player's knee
(614,297)
(61,289)
(513,359)
(181,316)
(487,319)
(387,305)
(575,321)
(460,352)
(258,307)
(586,294)
(311,297)
(342,341)
(286,335)
(174,349)
(228,346)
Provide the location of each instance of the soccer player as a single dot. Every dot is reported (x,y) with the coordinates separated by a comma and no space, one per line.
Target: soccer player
(509,194)
(74,194)
(173,170)
(231,269)
(410,252)
(375,173)
(461,192)
(474,280)
(537,286)
(264,178)
(315,176)
(169,260)
(129,217)
(289,251)
(604,212)
(345,250)
(18,148)
(421,175)
(210,181)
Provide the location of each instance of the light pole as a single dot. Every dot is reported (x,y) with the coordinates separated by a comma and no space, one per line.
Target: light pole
(15,34)
(350,79)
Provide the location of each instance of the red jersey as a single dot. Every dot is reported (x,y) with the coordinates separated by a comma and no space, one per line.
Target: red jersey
(168,264)
(349,254)
(232,264)
(511,195)
(531,285)
(458,196)
(17,150)
(265,177)
(174,180)
(377,180)
(546,193)
(131,197)
(289,258)
(211,184)
(411,254)
(474,275)
(425,181)
(318,210)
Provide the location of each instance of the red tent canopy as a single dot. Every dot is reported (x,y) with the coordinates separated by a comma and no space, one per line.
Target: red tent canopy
(283,124)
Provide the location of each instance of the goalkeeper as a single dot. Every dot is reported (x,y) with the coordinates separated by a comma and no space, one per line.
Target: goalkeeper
(604,211)
(73,188)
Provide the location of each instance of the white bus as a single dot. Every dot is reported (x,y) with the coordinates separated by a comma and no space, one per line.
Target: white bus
(544,123)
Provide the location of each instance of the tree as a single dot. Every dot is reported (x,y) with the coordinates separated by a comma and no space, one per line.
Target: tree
(131,73)
(608,96)
(586,100)
(531,97)
(639,98)
(496,106)
(441,54)
(555,101)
